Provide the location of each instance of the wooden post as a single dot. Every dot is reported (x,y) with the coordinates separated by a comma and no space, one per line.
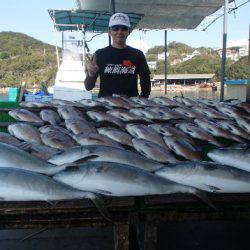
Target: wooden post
(121,236)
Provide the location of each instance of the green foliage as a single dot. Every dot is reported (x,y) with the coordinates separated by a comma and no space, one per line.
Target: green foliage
(239,69)
(23,58)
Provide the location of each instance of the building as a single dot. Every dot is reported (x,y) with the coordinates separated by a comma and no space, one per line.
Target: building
(161,56)
(183,79)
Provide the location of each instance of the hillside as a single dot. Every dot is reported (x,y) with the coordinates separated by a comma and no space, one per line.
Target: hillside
(23,58)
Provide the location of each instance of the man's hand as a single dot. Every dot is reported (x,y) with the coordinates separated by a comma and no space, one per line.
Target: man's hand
(92,67)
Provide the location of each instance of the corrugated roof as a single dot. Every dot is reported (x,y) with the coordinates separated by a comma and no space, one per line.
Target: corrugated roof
(183,76)
(160,14)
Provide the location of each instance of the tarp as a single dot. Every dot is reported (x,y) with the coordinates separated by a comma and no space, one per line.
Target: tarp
(94,21)
(160,14)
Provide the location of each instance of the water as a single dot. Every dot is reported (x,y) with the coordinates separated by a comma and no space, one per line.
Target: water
(231,92)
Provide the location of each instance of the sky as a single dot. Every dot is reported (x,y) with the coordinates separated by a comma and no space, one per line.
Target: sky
(31,17)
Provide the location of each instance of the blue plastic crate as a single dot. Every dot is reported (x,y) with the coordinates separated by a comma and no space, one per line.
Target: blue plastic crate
(38,98)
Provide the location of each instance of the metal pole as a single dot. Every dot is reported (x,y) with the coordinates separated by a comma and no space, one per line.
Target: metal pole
(112,11)
(248,82)
(166,47)
(224,50)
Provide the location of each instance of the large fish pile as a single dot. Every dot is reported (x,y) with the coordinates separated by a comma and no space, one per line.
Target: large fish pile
(119,146)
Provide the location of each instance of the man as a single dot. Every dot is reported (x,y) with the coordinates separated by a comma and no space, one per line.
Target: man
(119,65)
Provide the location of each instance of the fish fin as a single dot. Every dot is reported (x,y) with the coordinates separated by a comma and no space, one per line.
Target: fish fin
(100,205)
(104,192)
(203,196)
(88,158)
(213,189)
(52,203)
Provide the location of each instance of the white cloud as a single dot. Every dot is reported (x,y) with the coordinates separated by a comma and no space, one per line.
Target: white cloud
(139,44)
(239,42)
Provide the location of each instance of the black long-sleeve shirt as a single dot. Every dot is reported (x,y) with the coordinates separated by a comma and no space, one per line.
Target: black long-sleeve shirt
(119,70)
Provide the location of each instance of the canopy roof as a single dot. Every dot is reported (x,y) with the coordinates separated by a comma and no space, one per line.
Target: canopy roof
(160,14)
(95,21)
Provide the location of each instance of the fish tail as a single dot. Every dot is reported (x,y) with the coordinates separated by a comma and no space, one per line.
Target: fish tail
(203,196)
(100,205)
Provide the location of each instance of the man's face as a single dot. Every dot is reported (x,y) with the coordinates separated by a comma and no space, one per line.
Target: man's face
(119,34)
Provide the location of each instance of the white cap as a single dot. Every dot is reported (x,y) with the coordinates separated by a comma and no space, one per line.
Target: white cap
(119,19)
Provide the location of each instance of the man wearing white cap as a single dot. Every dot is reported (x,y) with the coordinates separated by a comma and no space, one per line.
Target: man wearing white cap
(119,65)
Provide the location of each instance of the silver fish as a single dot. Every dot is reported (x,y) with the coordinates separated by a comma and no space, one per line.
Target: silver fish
(113,179)
(25,132)
(79,126)
(207,176)
(234,129)
(245,106)
(154,151)
(143,101)
(116,135)
(89,138)
(50,116)
(188,112)
(104,117)
(244,123)
(231,111)
(141,131)
(165,113)
(198,133)
(21,185)
(144,113)
(169,130)
(182,147)
(161,100)
(115,101)
(104,153)
(13,157)
(25,115)
(56,139)
(9,139)
(48,128)
(234,157)
(213,129)
(126,116)
(69,112)
(211,113)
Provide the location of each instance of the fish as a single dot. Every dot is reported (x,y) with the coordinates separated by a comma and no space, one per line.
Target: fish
(234,129)
(169,130)
(181,147)
(234,157)
(213,129)
(9,139)
(188,112)
(144,113)
(104,117)
(116,135)
(25,115)
(245,106)
(79,126)
(88,103)
(153,151)
(25,132)
(188,102)
(244,123)
(104,153)
(210,113)
(161,100)
(35,104)
(41,151)
(115,101)
(69,112)
(198,133)
(13,157)
(90,138)
(127,116)
(49,128)
(141,131)
(57,139)
(145,102)
(50,116)
(165,113)
(22,185)
(113,179)
(207,176)
(230,111)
